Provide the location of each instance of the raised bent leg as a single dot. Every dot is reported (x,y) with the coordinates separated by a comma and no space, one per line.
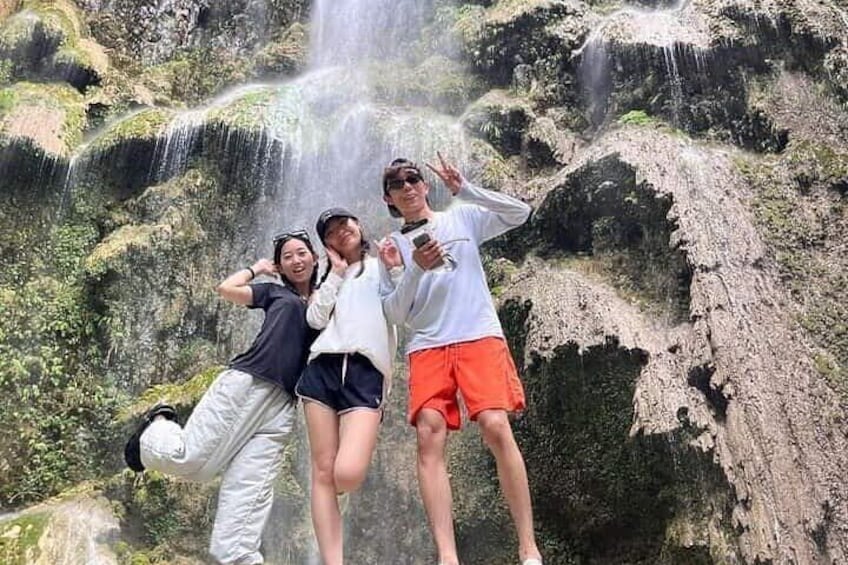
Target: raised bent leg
(357,440)
(247,494)
(225,418)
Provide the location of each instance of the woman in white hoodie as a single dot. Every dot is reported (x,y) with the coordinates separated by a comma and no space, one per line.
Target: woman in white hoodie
(348,374)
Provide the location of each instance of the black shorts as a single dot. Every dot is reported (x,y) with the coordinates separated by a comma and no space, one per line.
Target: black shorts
(342,386)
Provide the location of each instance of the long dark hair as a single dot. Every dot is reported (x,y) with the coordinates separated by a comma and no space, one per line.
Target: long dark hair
(278,252)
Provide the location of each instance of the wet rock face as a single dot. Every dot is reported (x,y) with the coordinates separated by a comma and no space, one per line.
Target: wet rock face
(601,211)
(155,34)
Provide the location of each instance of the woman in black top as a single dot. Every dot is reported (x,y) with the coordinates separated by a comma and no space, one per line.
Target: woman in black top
(239,425)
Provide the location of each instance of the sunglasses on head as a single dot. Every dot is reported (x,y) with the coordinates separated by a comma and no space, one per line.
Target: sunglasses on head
(291,234)
(397,184)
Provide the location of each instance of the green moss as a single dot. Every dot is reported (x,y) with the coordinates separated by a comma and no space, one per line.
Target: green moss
(813,162)
(195,76)
(58,28)
(802,221)
(146,125)
(285,54)
(830,369)
(19,538)
(636,118)
(437,82)
(246,112)
(117,244)
(185,394)
(19,101)
(500,118)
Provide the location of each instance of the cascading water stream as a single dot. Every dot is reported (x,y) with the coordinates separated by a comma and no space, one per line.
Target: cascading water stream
(665,29)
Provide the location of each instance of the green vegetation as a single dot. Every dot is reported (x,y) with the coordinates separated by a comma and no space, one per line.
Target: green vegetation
(55,409)
(636,118)
(146,125)
(196,75)
(248,112)
(60,106)
(19,539)
(55,32)
(179,394)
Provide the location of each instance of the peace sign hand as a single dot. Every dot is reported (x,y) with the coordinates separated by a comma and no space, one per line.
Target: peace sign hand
(449,174)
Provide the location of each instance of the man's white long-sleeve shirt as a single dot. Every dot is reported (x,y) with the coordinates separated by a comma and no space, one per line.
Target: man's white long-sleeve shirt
(349,313)
(444,307)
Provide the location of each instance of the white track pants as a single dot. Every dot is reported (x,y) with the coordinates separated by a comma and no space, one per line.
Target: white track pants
(237,428)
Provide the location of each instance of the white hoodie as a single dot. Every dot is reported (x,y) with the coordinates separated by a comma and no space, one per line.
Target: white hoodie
(350,312)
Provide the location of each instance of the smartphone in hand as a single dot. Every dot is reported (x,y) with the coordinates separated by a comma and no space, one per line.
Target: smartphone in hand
(421,239)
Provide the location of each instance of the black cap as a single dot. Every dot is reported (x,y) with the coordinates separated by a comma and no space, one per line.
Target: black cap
(327,215)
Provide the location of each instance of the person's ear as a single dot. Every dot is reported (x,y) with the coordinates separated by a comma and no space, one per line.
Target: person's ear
(387,198)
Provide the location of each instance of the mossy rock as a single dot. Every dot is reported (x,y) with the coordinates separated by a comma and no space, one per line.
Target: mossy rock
(182,395)
(510,33)
(813,162)
(19,538)
(124,153)
(284,55)
(49,116)
(194,76)
(110,254)
(246,112)
(500,118)
(438,82)
(48,40)
(144,126)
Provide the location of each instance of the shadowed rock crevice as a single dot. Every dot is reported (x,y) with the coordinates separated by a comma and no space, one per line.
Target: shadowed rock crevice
(25,166)
(603,495)
(130,165)
(601,211)
(699,378)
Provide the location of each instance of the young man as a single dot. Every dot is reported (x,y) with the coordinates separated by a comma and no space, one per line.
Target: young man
(455,340)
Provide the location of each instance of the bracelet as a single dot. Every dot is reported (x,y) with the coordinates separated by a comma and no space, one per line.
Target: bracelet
(252,274)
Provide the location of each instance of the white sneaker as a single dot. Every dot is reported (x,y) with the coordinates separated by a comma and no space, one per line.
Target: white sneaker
(532,561)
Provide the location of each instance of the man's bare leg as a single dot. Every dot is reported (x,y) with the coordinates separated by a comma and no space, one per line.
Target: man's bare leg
(512,474)
(434,483)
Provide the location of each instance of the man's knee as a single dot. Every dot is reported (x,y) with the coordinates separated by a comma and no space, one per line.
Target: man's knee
(496,430)
(432,430)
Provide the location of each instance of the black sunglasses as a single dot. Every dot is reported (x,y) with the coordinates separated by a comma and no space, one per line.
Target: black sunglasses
(397,184)
(291,234)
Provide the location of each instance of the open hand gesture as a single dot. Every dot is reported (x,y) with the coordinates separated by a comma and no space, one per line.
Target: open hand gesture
(449,174)
(337,262)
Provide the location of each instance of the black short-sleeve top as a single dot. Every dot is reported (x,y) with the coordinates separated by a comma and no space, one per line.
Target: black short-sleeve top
(278,353)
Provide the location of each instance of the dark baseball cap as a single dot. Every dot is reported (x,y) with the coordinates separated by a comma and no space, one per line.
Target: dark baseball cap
(327,215)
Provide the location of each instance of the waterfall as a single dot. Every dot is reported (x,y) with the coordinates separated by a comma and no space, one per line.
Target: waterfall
(633,41)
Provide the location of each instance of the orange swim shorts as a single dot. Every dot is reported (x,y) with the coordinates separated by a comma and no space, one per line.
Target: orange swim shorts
(481,370)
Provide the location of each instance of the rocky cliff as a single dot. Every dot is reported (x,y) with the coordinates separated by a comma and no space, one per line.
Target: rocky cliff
(676,304)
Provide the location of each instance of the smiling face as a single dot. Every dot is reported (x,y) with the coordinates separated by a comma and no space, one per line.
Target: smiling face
(297,262)
(344,235)
(407,191)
